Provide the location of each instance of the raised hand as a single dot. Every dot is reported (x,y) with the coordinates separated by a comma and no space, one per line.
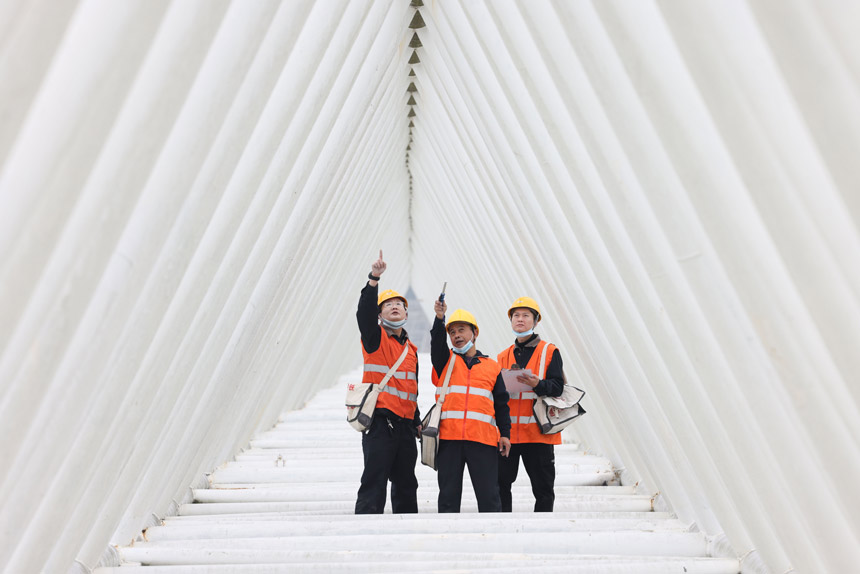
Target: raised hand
(440,307)
(379,266)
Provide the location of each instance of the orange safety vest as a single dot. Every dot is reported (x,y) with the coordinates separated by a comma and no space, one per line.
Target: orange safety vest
(523,426)
(401,393)
(469,410)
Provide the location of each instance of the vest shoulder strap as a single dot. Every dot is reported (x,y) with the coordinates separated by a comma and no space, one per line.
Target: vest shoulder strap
(451,360)
(542,366)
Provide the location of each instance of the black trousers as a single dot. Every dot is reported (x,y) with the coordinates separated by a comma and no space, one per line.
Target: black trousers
(539,460)
(483,461)
(389,454)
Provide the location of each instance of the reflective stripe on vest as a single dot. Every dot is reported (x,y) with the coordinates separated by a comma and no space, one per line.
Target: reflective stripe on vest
(524,427)
(469,415)
(400,394)
(402,386)
(487,394)
(384,369)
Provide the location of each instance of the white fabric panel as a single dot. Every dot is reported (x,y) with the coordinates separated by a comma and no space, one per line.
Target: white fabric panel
(191,194)
(156,342)
(681,265)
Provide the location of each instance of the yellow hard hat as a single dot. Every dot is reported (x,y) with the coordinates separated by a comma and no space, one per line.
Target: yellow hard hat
(463,316)
(391,294)
(525,302)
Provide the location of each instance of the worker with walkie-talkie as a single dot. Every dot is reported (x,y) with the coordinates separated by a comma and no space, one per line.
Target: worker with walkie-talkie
(475,422)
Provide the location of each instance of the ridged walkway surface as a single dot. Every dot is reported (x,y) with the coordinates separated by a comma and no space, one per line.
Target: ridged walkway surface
(286,504)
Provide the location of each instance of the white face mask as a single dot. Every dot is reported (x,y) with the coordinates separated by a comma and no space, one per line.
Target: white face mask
(524,333)
(393,324)
(464,349)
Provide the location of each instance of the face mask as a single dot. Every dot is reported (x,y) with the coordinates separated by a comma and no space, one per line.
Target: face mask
(393,324)
(464,349)
(524,333)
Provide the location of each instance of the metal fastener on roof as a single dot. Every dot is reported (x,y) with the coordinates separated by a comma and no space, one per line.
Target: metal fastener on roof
(417,21)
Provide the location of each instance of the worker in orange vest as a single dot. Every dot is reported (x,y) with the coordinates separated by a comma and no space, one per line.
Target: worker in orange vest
(389,444)
(527,441)
(475,424)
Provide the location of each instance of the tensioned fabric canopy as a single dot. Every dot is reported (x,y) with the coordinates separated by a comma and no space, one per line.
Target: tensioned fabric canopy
(192,193)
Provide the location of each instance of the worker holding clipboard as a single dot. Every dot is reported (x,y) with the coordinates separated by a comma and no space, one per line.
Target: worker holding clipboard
(526,378)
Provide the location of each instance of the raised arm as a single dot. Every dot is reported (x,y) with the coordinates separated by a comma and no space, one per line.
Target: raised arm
(368,312)
(439,351)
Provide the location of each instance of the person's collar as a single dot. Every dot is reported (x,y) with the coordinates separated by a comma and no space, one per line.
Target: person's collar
(478,355)
(530,342)
(403,334)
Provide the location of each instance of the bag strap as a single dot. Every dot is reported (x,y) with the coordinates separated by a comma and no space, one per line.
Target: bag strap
(393,369)
(444,390)
(542,367)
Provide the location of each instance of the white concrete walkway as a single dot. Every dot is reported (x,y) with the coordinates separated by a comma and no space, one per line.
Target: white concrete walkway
(286,504)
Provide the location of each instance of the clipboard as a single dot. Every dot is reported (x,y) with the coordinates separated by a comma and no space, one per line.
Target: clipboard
(512,384)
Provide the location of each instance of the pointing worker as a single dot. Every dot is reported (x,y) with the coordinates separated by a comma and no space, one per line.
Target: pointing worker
(475,425)
(389,444)
(535,448)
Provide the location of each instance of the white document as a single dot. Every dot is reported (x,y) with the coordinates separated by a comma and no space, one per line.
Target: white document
(511,382)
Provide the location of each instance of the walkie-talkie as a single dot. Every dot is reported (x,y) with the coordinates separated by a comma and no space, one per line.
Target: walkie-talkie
(442,295)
